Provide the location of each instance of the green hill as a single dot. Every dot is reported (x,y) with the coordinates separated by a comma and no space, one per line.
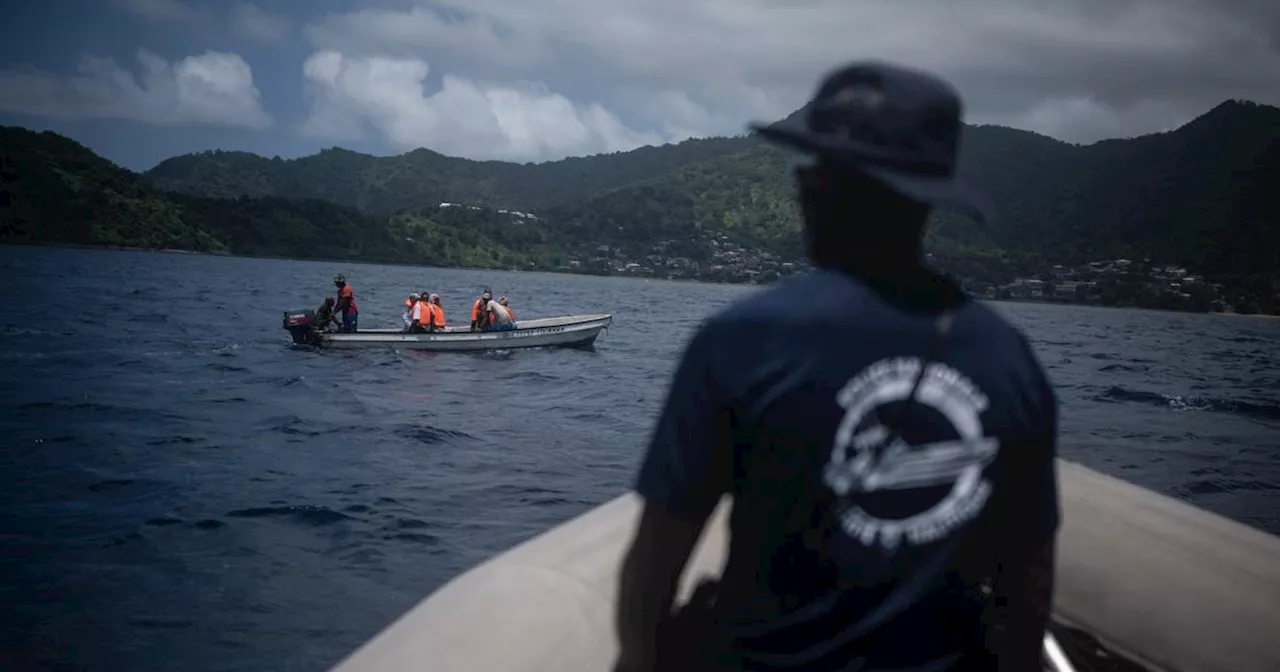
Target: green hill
(385,185)
(1195,196)
(1200,197)
(54,190)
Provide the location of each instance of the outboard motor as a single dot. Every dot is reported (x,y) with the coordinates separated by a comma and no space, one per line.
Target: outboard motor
(301,325)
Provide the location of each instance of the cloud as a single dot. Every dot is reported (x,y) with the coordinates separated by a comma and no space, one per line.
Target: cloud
(214,88)
(244,18)
(423,32)
(512,121)
(255,23)
(1086,69)
(700,112)
(1086,118)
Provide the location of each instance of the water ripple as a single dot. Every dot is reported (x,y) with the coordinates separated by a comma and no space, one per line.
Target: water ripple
(203,494)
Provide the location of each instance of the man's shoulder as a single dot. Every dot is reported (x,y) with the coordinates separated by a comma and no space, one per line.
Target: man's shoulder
(764,320)
(794,295)
(1012,353)
(982,316)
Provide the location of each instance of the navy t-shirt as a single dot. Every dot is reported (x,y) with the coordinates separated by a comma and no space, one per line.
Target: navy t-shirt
(783,400)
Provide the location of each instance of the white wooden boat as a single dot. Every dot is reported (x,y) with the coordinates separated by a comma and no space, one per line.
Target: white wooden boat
(568,331)
(1163,584)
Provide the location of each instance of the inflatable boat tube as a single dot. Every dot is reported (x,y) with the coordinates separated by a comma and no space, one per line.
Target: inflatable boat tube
(1170,586)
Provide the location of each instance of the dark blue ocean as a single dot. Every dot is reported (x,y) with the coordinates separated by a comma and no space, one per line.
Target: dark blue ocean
(182,490)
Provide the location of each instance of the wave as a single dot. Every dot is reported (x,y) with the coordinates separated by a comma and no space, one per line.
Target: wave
(432,435)
(1213,486)
(307,514)
(1135,368)
(1251,409)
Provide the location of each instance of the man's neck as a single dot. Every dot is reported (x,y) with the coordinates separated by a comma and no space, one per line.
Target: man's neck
(904,280)
(880,264)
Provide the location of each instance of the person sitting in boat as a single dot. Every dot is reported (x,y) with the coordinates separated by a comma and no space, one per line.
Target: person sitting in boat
(408,310)
(437,313)
(433,312)
(891,464)
(479,316)
(346,304)
(499,317)
(503,302)
(420,321)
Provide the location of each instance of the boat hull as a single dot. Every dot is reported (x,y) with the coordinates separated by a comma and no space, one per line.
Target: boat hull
(572,331)
(1160,582)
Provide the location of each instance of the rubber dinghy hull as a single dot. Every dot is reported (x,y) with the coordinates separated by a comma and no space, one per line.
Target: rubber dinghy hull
(1170,586)
(569,331)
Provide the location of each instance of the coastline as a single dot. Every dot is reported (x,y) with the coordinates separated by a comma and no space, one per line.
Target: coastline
(1269,316)
(365,262)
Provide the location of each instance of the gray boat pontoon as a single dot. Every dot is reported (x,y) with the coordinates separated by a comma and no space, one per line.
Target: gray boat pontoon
(1162,585)
(569,331)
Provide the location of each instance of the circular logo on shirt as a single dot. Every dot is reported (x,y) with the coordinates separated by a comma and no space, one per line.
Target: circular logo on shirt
(944,475)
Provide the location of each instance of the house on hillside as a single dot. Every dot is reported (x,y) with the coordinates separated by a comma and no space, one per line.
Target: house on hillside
(1024,288)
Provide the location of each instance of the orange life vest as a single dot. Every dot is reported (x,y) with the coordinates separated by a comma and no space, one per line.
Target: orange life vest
(349,294)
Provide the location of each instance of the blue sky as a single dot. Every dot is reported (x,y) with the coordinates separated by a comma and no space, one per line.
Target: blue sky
(143,80)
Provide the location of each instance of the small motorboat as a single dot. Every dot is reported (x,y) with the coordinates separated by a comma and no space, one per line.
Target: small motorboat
(576,331)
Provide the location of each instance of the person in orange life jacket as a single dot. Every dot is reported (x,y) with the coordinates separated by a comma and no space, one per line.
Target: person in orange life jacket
(479,311)
(503,302)
(437,313)
(498,317)
(408,311)
(434,314)
(421,318)
(891,463)
(346,304)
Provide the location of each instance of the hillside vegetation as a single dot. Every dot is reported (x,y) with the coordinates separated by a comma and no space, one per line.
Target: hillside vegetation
(1199,197)
(385,185)
(54,190)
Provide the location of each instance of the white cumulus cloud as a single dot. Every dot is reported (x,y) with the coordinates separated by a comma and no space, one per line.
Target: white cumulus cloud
(214,88)
(512,121)
(1082,70)
(421,32)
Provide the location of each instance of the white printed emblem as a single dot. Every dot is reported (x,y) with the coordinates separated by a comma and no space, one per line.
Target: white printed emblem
(862,465)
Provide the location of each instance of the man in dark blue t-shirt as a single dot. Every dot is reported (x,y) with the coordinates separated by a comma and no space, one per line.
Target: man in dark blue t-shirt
(889,444)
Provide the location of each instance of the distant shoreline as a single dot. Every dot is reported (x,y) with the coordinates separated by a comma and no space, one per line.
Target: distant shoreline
(1265,315)
(154,250)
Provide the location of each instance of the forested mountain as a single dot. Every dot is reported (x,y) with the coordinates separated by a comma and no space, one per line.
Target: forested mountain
(384,185)
(54,190)
(1201,197)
